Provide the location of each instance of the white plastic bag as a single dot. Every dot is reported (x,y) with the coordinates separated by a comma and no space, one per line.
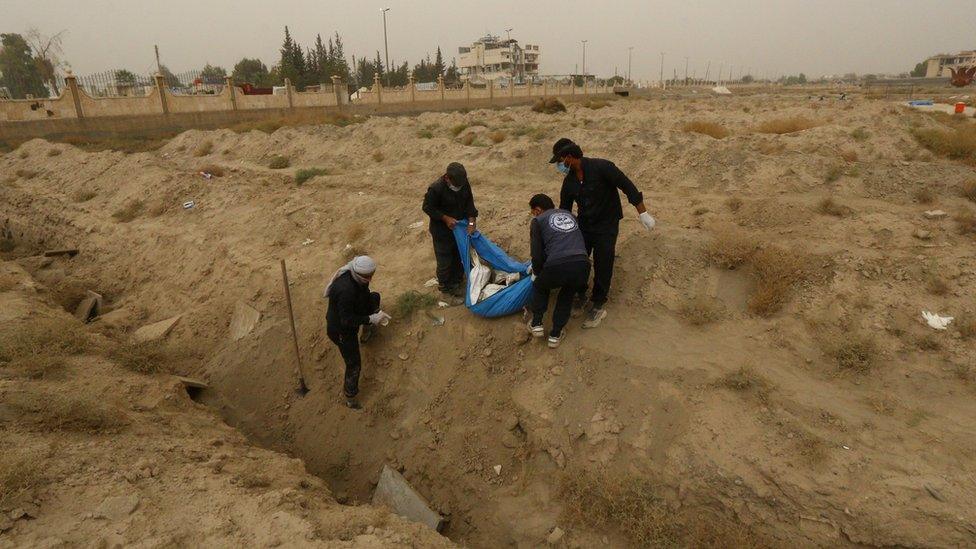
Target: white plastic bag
(478,277)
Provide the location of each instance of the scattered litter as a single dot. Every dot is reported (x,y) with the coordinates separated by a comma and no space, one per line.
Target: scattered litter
(416,225)
(307,241)
(435,320)
(846,447)
(498,469)
(921,103)
(936,321)
(934,214)
(361,193)
(722,90)
(207,175)
(70,252)
(934,493)
(393,491)
(443,304)
(403,356)
(430,283)
(189,204)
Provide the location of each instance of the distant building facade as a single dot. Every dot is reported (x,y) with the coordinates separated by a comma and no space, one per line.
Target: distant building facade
(939,65)
(491,58)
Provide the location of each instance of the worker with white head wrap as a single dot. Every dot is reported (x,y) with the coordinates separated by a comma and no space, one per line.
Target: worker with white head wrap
(352,305)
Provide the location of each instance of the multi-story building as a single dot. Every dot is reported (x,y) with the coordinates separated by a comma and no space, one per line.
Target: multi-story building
(939,65)
(491,58)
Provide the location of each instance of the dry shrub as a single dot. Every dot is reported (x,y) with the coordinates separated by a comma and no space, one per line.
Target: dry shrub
(860,134)
(734,204)
(958,143)
(148,357)
(42,336)
(924,196)
(425,133)
(497,136)
(204,148)
(378,156)
(301,176)
(22,470)
(852,350)
(213,170)
(701,310)
(834,173)
(827,206)
(699,211)
(810,447)
(303,118)
(157,209)
(635,507)
(548,106)
(731,248)
(777,274)
(124,143)
(68,292)
(279,162)
(54,152)
(849,155)
(937,286)
(710,129)
(966,223)
(129,212)
(83,195)
(745,380)
(412,301)
(456,130)
(59,411)
(596,103)
(26,174)
(354,232)
(968,190)
(781,126)
(468,139)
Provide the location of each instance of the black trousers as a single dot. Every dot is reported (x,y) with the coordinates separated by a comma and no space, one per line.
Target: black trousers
(602,246)
(570,278)
(450,271)
(348,343)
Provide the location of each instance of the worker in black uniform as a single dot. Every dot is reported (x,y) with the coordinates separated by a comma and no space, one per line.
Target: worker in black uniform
(593,184)
(448,200)
(559,260)
(352,305)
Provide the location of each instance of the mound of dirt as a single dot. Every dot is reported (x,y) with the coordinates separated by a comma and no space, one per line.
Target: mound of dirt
(765,375)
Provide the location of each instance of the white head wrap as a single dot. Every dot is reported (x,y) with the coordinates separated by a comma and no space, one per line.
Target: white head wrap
(359,266)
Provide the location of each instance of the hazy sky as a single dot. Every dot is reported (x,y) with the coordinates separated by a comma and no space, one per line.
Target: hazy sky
(773,36)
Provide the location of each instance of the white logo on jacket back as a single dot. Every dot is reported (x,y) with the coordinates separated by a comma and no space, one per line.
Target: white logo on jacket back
(562,222)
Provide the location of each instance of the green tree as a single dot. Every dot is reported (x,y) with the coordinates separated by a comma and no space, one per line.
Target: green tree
(438,64)
(213,75)
(292,64)
(337,58)
(20,74)
(169,78)
(124,77)
(47,56)
(252,71)
(920,70)
(453,75)
(748,79)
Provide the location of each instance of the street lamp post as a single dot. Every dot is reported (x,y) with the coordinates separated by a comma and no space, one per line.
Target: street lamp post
(661,80)
(511,53)
(630,55)
(386,48)
(584,62)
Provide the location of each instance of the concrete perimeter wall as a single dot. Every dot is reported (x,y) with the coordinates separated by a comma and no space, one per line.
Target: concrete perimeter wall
(160,112)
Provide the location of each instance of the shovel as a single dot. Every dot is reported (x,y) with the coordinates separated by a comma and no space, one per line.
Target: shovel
(302,387)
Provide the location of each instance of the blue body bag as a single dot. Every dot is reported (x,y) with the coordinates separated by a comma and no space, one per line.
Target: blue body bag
(509,300)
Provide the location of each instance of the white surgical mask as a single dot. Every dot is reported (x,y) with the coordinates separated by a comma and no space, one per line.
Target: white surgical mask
(562,167)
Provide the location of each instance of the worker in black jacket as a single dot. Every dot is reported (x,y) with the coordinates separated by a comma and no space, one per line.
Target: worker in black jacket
(559,260)
(352,305)
(448,200)
(593,184)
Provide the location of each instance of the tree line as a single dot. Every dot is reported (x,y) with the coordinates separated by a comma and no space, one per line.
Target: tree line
(30,64)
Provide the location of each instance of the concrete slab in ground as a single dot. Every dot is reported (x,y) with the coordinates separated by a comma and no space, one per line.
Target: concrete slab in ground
(89,306)
(395,492)
(244,320)
(155,331)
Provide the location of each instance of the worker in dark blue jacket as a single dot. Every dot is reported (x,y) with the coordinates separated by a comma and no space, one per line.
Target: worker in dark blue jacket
(559,260)
(594,184)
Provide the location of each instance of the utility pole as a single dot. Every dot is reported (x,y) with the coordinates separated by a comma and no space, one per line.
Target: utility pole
(584,61)
(630,55)
(386,48)
(708,67)
(159,69)
(661,80)
(686,70)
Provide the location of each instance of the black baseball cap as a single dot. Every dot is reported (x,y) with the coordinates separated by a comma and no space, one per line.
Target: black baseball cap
(563,141)
(457,173)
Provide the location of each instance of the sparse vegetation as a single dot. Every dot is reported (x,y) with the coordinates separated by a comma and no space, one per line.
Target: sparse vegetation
(497,136)
(710,129)
(734,204)
(144,358)
(456,130)
(849,155)
(548,106)
(958,143)
(425,133)
(966,222)
(595,104)
(468,139)
(968,190)
(378,156)
(279,162)
(42,336)
(301,176)
(834,173)
(56,411)
(127,144)
(852,350)
(204,148)
(827,206)
(731,247)
(745,380)
(777,272)
(781,126)
(271,125)
(860,134)
(22,470)
(924,196)
(129,211)
(701,310)
(412,301)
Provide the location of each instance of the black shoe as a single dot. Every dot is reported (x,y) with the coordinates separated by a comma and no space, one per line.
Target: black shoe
(594,316)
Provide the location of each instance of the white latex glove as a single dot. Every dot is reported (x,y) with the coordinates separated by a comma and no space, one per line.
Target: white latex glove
(647,220)
(379,319)
(529,270)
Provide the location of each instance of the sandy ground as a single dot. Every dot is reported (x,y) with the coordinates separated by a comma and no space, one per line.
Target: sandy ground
(840,419)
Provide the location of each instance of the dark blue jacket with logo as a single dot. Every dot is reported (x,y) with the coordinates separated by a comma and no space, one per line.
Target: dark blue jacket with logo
(555,239)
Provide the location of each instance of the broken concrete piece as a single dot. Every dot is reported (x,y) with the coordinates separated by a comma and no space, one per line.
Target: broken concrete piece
(89,307)
(934,214)
(922,234)
(244,320)
(155,331)
(192,383)
(70,252)
(395,492)
(117,507)
(555,536)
